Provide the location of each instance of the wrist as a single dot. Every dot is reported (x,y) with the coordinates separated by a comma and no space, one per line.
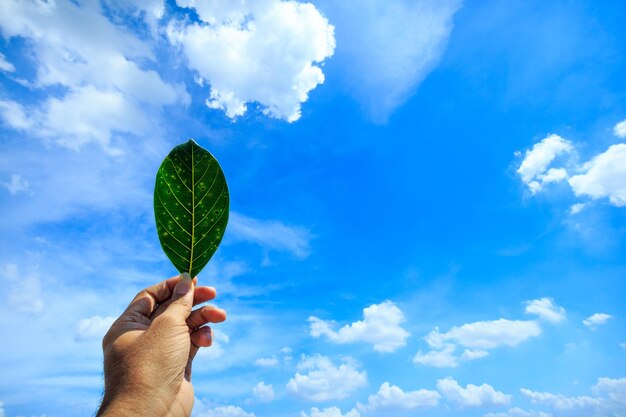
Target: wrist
(125,403)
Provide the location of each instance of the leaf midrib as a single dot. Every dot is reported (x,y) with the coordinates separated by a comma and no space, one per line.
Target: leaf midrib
(193,210)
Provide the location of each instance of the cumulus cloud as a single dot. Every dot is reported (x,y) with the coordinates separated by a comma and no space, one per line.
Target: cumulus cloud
(330,412)
(546,310)
(322,380)
(478,338)
(534,167)
(620,129)
(385,49)
(268,52)
(604,176)
(391,397)
(471,395)
(226,411)
(380,327)
(2,409)
(596,320)
(263,391)
(486,334)
(270,234)
(93,328)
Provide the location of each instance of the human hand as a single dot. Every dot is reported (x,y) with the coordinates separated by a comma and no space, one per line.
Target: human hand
(149,349)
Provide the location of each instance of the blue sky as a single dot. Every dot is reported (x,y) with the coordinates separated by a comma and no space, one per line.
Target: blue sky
(427,200)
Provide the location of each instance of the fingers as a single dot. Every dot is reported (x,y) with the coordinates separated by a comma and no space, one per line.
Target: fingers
(202,337)
(145,301)
(204,315)
(200,295)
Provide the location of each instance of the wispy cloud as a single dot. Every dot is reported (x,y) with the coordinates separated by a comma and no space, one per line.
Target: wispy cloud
(386,49)
(270,234)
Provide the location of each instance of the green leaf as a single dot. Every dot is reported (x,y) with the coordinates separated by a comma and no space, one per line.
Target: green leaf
(190,206)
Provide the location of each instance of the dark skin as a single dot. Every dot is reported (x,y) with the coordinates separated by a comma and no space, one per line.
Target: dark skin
(149,350)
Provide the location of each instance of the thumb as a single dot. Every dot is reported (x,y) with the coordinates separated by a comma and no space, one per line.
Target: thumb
(182,298)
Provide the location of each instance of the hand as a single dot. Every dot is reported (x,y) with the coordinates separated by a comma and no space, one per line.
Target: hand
(149,349)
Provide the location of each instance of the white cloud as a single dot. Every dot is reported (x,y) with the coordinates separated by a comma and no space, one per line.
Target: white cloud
(391,397)
(330,412)
(441,358)
(78,48)
(90,115)
(470,355)
(270,234)
(477,338)
(536,161)
(93,328)
(263,391)
(471,395)
(486,334)
(596,320)
(5,65)
(267,52)
(518,412)
(226,411)
(2,409)
(620,129)
(266,362)
(324,381)
(615,388)
(385,49)
(380,327)
(604,176)
(561,402)
(577,208)
(16,185)
(609,399)
(24,289)
(14,115)
(545,309)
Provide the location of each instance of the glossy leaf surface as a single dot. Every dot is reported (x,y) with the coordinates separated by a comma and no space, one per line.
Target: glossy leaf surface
(190,206)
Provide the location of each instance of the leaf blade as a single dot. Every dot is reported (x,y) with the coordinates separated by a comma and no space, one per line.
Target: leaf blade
(191,216)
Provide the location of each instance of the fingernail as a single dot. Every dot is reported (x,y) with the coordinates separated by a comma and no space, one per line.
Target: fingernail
(184,284)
